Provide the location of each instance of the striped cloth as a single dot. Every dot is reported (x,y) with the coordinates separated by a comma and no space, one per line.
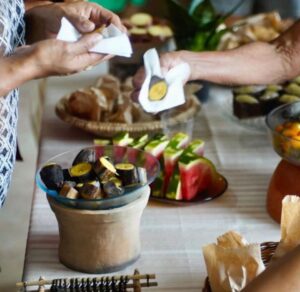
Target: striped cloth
(171,236)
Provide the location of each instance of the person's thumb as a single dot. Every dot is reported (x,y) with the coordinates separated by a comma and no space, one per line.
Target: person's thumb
(82,24)
(86,43)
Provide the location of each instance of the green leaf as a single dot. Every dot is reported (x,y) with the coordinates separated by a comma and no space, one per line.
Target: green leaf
(198,43)
(213,40)
(183,23)
(202,11)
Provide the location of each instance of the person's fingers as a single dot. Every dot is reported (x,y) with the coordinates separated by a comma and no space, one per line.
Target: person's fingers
(168,61)
(85,43)
(81,23)
(100,16)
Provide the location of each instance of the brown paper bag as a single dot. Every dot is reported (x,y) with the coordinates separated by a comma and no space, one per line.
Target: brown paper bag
(290,226)
(232,263)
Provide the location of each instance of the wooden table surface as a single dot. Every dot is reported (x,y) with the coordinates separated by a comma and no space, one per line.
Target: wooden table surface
(172,236)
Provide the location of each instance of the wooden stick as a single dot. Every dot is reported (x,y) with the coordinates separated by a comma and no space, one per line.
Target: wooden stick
(49,282)
(136,283)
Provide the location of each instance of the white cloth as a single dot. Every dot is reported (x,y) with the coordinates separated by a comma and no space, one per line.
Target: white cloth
(174,79)
(11,35)
(114,41)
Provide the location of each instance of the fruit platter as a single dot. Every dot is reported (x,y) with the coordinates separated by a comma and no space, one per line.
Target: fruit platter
(284,123)
(98,177)
(185,175)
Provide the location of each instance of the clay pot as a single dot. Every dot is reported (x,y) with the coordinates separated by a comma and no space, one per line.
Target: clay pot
(101,241)
(284,182)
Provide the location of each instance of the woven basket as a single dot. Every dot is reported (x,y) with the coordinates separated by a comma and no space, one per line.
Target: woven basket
(267,251)
(108,130)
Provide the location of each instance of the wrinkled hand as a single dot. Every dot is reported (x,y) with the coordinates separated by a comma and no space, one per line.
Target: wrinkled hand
(55,57)
(43,22)
(167,62)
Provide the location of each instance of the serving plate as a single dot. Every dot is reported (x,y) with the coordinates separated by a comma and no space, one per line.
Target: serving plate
(200,198)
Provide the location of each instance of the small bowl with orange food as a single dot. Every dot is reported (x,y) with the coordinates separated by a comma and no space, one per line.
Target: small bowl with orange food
(284,123)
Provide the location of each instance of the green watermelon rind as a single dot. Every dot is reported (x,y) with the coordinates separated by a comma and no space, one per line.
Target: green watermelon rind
(195,146)
(122,139)
(178,140)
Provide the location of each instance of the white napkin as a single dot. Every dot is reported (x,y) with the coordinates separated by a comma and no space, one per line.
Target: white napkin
(174,78)
(114,41)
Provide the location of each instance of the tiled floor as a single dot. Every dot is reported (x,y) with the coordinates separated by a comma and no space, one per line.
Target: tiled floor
(15,215)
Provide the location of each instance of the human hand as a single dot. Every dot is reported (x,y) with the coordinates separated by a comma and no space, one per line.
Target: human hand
(43,22)
(167,62)
(55,57)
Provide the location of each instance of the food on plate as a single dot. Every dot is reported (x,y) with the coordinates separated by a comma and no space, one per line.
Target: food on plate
(128,173)
(107,101)
(52,176)
(81,172)
(255,101)
(140,142)
(144,28)
(113,188)
(286,139)
(263,27)
(185,173)
(90,192)
(141,19)
(69,191)
(85,155)
(93,178)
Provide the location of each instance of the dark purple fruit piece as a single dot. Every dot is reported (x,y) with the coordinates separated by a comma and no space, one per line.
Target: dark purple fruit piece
(112,189)
(52,176)
(85,155)
(127,173)
(90,192)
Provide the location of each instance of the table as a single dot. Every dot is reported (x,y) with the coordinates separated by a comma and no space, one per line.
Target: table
(171,236)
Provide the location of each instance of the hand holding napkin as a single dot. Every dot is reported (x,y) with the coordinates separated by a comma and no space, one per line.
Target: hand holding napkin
(174,78)
(114,41)
(232,263)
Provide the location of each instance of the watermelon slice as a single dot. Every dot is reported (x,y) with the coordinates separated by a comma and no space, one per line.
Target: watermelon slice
(179,140)
(140,142)
(171,156)
(137,144)
(122,139)
(174,187)
(196,146)
(156,147)
(157,185)
(197,174)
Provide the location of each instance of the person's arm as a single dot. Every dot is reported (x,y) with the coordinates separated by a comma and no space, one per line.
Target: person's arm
(47,58)
(254,63)
(282,275)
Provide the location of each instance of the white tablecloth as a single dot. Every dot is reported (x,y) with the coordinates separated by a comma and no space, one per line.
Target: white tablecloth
(171,236)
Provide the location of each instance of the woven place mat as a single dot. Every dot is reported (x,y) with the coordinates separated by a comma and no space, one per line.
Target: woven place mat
(267,251)
(109,129)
